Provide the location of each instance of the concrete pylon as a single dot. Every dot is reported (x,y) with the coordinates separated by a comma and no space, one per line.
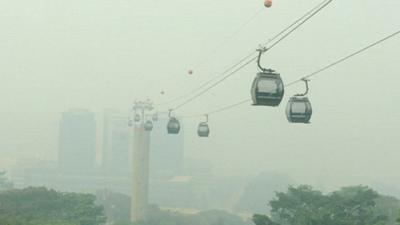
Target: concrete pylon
(140,164)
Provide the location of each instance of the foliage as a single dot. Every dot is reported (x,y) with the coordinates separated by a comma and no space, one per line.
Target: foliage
(4,183)
(117,210)
(398,219)
(211,217)
(219,217)
(262,220)
(39,206)
(255,195)
(122,223)
(116,206)
(305,206)
(388,206)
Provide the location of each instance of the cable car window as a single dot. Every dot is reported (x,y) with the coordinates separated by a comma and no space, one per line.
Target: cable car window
(269,86)
(299,107)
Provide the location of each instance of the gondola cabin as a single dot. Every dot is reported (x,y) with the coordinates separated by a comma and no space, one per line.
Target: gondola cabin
(148,126)
(130,123)
(299,110)
(173,126)
(137,118)
(203,130)
(267,89)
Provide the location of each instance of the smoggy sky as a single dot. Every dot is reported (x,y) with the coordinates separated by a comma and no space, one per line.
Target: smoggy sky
(97,54)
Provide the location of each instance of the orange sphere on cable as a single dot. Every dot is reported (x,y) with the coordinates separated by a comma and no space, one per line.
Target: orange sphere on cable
(268,3)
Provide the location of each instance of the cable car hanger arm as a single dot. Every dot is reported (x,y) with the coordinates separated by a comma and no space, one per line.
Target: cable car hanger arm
(307,88)
(261,51)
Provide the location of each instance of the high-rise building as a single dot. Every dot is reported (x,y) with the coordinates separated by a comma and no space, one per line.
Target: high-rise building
(116,143)
(166,151)
(77,141)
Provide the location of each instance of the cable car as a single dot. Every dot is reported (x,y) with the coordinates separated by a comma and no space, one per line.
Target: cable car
(130,123)
(137,118)
(298,109)
(173,126)
(268,87)
(203,130)
(148,126)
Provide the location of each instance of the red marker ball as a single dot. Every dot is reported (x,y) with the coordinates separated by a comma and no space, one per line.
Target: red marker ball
(268,3)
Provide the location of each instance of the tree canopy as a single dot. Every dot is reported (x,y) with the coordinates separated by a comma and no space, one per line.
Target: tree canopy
(116,206)
(398,219)
(117,209)
(211,217)
(40,206)
(4,183)
(358,205)
(255,195)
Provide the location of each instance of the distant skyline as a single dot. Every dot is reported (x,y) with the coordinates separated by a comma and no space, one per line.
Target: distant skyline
(77,141)
(116,142)
(167,151)
(98,54)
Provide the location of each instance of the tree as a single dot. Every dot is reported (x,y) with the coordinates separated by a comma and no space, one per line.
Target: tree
(356,205)
(305,206)
(301,205)
(116,206)
(4,183)
(389,206)
(255,195)
(39,206)
(398,219)
(220,217)
(262,220)
(211,217)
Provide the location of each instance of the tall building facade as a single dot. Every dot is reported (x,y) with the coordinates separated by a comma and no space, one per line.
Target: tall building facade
(117,137)
(166,150)
(77,141)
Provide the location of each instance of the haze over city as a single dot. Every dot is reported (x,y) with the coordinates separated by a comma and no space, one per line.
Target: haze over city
(100,55)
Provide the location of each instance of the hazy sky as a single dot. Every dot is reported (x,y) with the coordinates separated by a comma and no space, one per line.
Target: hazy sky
(96,54)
